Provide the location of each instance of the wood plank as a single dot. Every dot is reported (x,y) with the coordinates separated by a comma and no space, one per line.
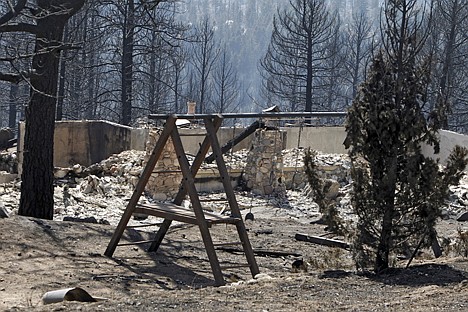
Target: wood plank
(236,140)
(136,243)
(178,213)
(321,241)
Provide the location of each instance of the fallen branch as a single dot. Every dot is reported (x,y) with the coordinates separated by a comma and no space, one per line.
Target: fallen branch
(322,241)
(262,252)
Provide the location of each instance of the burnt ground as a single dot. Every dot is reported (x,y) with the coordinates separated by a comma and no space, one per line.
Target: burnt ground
(38,256)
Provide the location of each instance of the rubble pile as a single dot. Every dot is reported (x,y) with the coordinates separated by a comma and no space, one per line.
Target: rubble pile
(458,201)
(102,190)
(234,160)
(334,167)
(8,162)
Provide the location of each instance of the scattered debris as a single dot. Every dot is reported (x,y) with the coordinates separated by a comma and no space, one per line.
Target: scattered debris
(102,190)
(299,265)
(67,294)
(86,220)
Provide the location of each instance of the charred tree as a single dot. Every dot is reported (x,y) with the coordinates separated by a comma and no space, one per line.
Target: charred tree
(47,24)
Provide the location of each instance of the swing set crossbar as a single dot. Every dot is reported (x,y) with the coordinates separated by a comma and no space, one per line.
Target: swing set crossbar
(278,115)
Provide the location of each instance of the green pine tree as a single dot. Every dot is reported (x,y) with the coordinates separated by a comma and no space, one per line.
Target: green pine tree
(398,192)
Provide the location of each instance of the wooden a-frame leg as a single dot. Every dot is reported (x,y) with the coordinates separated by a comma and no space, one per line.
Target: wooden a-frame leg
(240,226)
(160,235)
(140,187)
(189,184)
(199,158)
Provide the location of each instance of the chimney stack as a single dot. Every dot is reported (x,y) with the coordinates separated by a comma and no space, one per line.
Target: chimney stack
(191,107)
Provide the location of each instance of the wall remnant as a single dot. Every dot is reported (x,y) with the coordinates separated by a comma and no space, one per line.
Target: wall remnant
(264,169)
(163,186)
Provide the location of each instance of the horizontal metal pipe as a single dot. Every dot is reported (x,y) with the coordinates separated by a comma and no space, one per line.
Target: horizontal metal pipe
(279,115)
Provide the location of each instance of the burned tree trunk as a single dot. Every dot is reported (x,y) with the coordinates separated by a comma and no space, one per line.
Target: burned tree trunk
(37,195)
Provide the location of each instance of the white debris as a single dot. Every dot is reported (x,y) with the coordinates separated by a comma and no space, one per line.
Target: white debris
(103,190)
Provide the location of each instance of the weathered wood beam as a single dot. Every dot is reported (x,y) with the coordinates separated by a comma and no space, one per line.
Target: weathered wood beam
(322,241)
(242,136)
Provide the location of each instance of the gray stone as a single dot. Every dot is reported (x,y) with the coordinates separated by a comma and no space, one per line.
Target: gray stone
(60,173)
(463,217)
(6,177)
(3,211)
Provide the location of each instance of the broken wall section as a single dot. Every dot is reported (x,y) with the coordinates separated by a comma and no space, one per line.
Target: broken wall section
(84,142)
(165,181)
(264,169)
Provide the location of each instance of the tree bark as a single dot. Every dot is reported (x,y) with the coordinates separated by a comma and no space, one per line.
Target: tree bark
(127,63)
(37,190)
(387,191)
(13,104)
(447,69)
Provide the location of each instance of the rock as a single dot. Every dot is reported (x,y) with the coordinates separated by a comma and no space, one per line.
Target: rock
(299,265)
(463,217)
(95,169)
(77,168)
(331,188)
(91,185)
(6,177)
(262,276)
(4,212)
(160,197)
(60,173)
(86,220)
(268,189)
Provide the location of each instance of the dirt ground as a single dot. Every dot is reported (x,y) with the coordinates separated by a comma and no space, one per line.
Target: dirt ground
(38,256)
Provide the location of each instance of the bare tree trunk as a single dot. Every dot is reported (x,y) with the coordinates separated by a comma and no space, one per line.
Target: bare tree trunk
(13,104)
(127,63)
(387,191)
(447,67)
(61,89)
(152,105)
(37,190)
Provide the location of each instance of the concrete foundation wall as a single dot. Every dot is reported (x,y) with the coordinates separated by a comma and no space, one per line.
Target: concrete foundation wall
(84,142)
(448,140)
(192,143)
(88,142)
(324,139)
